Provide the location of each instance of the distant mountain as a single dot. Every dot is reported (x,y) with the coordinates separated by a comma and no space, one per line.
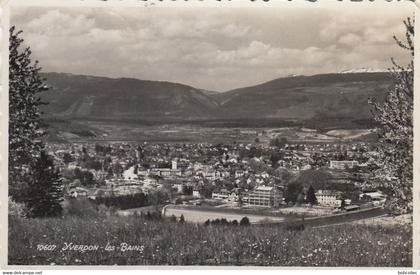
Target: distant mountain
(83,96)
(363,70)
(307,97)
(297,98)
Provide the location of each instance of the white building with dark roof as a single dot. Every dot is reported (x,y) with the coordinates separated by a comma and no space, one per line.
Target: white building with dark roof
(328,197)
(264,196)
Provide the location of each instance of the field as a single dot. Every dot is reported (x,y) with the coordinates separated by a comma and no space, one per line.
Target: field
(163,242)
(189,132)
(200,216)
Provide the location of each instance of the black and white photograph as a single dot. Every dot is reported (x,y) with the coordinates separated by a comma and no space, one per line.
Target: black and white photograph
(190,134)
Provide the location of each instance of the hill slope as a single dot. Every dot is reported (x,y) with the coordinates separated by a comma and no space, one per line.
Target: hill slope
(299,98)
(100,97)
(307,97)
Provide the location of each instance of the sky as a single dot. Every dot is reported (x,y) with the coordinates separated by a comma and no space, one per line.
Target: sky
(211,48)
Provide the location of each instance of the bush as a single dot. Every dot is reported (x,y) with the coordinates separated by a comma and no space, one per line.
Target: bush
(244,221)
(81,207)
(16,209)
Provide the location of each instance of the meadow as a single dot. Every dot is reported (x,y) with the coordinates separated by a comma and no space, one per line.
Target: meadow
(165,242)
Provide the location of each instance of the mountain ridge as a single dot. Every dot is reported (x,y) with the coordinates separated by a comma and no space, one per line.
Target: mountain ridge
(285,98)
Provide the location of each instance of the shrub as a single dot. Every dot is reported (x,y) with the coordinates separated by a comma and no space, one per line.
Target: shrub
(16,209)
(81,207)
(244,221)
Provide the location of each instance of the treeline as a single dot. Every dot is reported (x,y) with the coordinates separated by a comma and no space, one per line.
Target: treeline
(124,202)
(244,222)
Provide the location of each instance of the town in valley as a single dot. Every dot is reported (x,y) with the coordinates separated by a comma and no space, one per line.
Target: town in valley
(266,178)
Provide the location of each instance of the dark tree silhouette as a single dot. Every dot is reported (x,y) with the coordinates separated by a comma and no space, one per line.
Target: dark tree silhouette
(292,192)
(45,191)
(310,196)
(244,221)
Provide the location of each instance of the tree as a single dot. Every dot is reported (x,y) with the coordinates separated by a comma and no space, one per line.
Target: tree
(274,158)
(300,198)
(395,116)
(25,84)
(244,221)
(279,142)
(315,178)
(67,158)
(187,190)
(310,196)
(45,191)
(292,192)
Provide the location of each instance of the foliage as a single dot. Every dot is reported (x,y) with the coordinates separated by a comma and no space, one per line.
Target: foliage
(25,132)
(315,178)
(45,191)
(244,222)
(292,192)
(395,116)
(222,221)
(166,243)
(86,178)
(80,207)
(279,142)
(67,158)
(187,190)
(310,196)
(124,202)
(16,208)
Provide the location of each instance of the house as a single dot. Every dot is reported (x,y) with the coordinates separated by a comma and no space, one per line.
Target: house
(78,192)
(196,193)
(263,196)
(374,195)
(239,173)
(221,195)
(225,195)
(166,172)
(343,164)
(377,197)
(328,197)
(130,174)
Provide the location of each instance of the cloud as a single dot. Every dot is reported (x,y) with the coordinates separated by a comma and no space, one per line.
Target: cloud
(350,39)
(212,49)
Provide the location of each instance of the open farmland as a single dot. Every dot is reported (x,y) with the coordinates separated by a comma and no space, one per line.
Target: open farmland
(190,132)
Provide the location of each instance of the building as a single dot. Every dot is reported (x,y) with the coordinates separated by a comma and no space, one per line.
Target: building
(174,165)
(264,196)
(239,173)
(166,172)
(130,174)
(343,164)
(196,193)
(328,198)
(225,195)
(377,198)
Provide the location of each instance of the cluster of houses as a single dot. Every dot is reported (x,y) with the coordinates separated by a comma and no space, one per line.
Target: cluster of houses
(198,164)
(270,196)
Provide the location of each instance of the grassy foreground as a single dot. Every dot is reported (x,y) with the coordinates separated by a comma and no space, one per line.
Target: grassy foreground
(162,242)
